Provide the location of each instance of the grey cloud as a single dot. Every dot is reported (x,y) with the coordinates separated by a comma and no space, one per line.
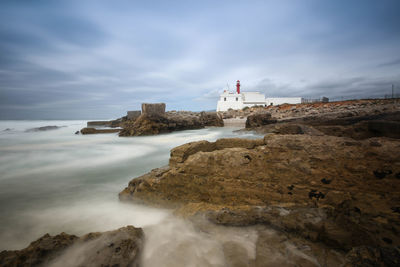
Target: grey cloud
(390,63)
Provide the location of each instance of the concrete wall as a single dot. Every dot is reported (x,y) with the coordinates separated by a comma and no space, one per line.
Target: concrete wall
(153,108)
(229,100)
(282,100)
(134,114)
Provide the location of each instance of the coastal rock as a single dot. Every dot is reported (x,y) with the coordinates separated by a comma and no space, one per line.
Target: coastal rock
(97,131)
(44,128)
(259,119)
(112,123)
(373,256)
(121,247)
(328,189)
(211,119)
(154,123)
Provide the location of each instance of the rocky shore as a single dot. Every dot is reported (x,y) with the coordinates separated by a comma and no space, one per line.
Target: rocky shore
(121,247)
(320,188)
(153,119)
(331,178)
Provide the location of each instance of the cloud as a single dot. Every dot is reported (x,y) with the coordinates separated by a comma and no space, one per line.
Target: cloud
(390,63)
(98,59)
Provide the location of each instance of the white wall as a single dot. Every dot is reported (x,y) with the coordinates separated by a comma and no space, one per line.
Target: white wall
(282,100)
(228,100)
(253,97)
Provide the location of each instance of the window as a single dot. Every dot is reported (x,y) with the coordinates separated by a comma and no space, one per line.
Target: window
(224,98)
(237,99)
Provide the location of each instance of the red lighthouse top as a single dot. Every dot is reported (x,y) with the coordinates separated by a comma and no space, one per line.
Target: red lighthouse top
(238,86)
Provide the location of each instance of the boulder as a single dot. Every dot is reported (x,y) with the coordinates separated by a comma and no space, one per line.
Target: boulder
(120,247)
(259,119)
(211,119)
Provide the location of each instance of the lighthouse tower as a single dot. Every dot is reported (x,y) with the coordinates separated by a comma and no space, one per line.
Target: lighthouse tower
(238,87)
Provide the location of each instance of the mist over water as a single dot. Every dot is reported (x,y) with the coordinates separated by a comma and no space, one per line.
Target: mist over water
(55,181)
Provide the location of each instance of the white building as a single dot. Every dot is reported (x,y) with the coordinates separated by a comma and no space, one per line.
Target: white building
(238,100)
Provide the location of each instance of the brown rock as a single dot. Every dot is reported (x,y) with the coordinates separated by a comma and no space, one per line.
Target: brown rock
(327,186)
(98,131)
(259,119)
(114,248)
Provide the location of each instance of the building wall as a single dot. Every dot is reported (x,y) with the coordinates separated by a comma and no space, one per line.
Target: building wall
(253,97)
(229,100)
(282,100)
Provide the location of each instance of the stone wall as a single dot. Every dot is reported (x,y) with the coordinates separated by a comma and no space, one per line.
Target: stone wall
(134,114)
(153,109)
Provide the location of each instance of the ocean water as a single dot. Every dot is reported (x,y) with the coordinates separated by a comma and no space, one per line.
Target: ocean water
(55,181)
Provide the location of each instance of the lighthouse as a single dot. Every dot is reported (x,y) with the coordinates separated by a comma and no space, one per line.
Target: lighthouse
(238,86)
(239,100)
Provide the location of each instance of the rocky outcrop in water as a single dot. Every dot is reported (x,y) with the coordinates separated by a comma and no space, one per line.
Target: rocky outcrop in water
(121,247)
(44,128)
(151,124)
(89,130)
(112,123)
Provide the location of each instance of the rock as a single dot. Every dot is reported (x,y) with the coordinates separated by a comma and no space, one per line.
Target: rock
(211,119)
(259,119)
(98,131)
(77,132)
(112,123)
(373,256)
(181,153)
(120,247)
(238,142)
(39,252)
(323,187)
(157,122)
(44,128)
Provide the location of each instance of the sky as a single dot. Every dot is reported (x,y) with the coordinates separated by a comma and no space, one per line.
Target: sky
(98,59)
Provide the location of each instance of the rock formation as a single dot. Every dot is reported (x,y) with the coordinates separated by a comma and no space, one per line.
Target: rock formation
(121,247)
(154,120)
(88,130)
(339,189)
(112,123)
(44,128)
(259,119)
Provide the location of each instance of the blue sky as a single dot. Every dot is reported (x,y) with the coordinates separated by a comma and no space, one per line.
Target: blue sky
(98,59)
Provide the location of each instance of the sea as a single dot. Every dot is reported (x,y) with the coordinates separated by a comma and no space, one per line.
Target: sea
(57,181)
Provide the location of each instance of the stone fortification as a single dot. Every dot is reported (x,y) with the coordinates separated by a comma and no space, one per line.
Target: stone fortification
(133,115)
(153,109)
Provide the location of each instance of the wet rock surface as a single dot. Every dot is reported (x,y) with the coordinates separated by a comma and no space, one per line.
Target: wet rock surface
(121,247)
